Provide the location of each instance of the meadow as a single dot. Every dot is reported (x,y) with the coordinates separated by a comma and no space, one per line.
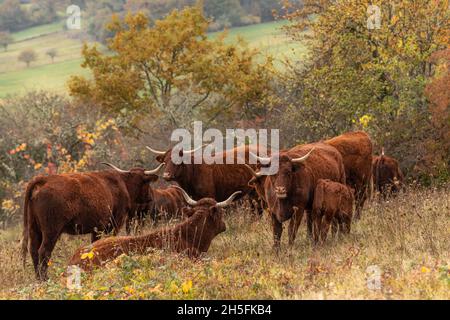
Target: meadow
(15,77)
(399,250)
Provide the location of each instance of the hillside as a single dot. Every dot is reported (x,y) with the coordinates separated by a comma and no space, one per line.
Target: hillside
(43,74)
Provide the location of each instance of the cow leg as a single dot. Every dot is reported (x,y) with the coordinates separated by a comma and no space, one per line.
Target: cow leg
(309,223)
(95,236)
(277,231)
(294,224)
(317,219)
(346,223)
(35,243)
(45,252)
(334,226)
(325,227)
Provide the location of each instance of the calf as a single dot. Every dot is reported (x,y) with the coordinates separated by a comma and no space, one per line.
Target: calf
(191,237)
(333,203)
(79,203)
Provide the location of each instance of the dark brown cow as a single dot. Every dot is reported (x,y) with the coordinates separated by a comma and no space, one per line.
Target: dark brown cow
(192,237)
(387,176)
(290,192)
(164,203)
(356,150)
(79,203)
(333,203)
(217,181)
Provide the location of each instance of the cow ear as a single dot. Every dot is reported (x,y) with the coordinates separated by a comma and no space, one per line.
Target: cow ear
(187,212)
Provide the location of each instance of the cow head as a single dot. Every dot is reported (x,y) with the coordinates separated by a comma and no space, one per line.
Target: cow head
(173,171)
(207,211)
(277,189)
(137,181)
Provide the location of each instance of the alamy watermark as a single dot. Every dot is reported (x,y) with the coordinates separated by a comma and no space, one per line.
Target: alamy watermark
(210,145)
(373,280)
(73,21)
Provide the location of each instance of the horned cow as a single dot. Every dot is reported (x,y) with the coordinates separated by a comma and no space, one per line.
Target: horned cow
(290,191)
(192,237)
(79,203)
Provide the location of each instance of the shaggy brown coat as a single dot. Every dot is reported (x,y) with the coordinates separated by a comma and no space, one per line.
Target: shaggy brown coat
(290,192)
(78,203)
(192,237)
(387,175)
(356,149)
(333,203)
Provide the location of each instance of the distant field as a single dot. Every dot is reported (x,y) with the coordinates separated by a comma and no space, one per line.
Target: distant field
(42,74)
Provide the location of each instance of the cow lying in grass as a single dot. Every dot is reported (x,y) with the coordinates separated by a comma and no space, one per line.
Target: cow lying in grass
(191,237)
(333,204)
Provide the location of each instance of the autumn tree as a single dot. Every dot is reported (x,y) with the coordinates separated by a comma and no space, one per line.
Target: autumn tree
(27,56)
(52,53)
(361,69)
(5,40)
(172,71)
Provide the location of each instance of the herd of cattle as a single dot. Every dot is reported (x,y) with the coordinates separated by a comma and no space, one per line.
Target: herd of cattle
(323,180)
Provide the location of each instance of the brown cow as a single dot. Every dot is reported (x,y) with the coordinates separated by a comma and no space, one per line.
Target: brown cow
(192,237)
(333,203)
(290,192)
(387,176)
(356,150)
(166,203)
(79,203)
(217,181)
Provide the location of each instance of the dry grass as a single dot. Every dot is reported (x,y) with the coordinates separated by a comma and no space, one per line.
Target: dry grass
(406,238)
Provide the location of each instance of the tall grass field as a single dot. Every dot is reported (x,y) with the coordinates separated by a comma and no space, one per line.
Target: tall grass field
(400,249)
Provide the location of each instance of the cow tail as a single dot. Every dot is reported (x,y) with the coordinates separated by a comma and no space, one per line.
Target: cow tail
(26,219)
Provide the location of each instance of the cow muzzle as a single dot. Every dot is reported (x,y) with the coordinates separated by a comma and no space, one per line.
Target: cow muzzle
(281,192)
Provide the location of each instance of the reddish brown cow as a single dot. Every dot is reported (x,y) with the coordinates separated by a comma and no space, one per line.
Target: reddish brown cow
(216,181)
(166,203)
(333,203)
(387,176)
(79,203)
(356,150)
(192,237)
(290,191)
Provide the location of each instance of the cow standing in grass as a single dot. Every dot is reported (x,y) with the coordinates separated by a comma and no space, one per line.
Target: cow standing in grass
(387,175)
(290,191)
(356,149)
(216,180)
(79,203)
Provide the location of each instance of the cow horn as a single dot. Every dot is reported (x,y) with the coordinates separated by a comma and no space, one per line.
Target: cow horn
(304,158)
(154,171)
(382,152)
(186,197)
(263,160)
(115,168)
(160,153)
(192,151)
(227,202)
(253,172)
